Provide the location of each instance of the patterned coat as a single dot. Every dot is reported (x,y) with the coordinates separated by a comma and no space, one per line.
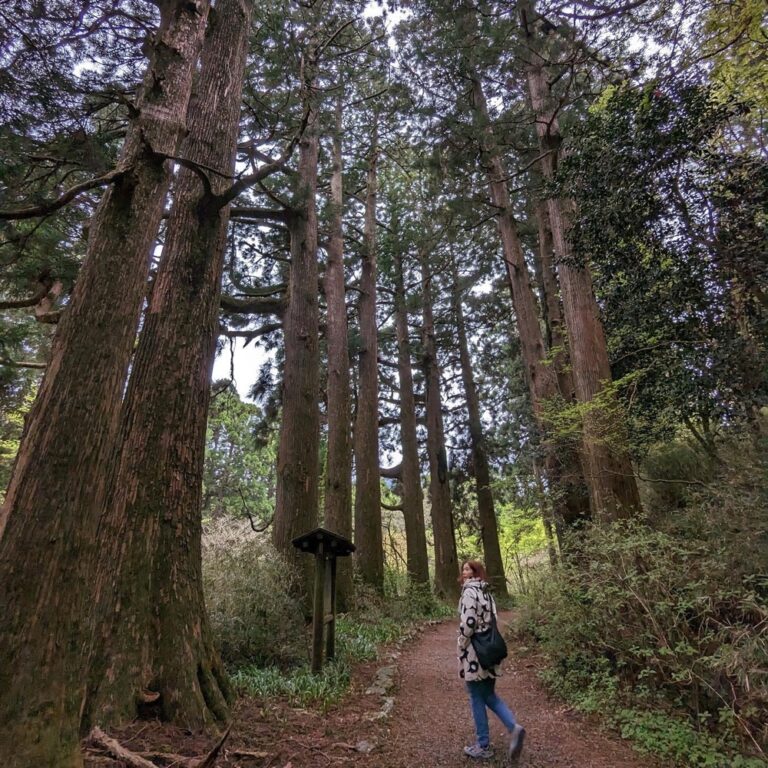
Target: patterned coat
(475,608)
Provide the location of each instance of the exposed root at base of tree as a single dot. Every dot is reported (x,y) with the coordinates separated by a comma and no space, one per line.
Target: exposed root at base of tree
(98,738)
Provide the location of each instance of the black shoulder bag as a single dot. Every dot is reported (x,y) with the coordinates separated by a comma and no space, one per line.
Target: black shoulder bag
(489,645)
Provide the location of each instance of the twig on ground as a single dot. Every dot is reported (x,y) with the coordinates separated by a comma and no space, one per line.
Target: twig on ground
(114,748)
(134,760)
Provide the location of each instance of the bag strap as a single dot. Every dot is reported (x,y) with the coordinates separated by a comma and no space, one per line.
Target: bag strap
(492,603)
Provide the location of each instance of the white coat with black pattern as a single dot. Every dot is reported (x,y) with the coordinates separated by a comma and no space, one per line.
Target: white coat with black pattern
(475,608)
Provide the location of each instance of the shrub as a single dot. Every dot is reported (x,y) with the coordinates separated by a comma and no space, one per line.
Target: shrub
(656,619)
(372,622)
(250,598)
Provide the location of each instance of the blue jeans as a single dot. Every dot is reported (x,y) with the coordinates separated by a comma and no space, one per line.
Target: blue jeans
(482,694)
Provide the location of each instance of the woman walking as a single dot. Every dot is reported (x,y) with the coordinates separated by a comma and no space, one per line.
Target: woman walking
(476,607)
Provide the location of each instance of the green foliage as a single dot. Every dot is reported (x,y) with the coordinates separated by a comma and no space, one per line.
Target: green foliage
(672,220)
(669,473)
(605,412)
(521,530)
(298,686)
(662,632)
(736,44)
(523,544)
(16,396)
(248,591)
(239,472)
(372,623)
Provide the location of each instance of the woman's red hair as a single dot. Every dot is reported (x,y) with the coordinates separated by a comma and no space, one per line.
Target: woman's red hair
(478,570)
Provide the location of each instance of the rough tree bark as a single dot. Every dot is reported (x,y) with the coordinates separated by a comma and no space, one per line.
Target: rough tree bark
(446,562)
(160,640)
(296,507)
(541,378)
(565,463)
(49,523)
(608,467)
(338,476)
(368,536)
(489,532)
(410,474)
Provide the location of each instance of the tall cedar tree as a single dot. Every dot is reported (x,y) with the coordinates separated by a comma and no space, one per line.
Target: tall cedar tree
(338,475)
(410,471)
(489,532)
(608,468)
(49,526)
(160,641)
(368,535)
(540,376)
(446,561)
(296,509)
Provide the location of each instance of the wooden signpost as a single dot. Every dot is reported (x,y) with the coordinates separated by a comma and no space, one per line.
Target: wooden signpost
(326,546)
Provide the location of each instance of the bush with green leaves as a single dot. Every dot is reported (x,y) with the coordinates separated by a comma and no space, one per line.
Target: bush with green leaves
(641,621)
(251,602)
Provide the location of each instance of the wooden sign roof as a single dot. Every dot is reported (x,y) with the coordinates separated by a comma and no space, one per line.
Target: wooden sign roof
(333,544)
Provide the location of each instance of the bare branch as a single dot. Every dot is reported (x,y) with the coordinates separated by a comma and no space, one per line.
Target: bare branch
(36,298)
(44,209)
(249,336)
(259,305)
(393,473)
(23,364)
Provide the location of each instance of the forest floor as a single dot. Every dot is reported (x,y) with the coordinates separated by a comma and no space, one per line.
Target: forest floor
(418,719)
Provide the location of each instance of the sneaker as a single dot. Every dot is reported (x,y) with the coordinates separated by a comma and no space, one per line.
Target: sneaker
(478,752)
(516,738)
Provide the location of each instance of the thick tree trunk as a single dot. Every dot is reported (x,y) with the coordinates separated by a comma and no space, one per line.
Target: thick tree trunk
(446,562)
(296,506)
(368,537)
(49,523)
(338,476)
(410,476)
(489,532)
(160,640)
(542,380)
(609,474)
(565,463)
(550,293)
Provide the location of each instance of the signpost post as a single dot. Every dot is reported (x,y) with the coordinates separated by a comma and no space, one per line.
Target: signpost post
(326,546)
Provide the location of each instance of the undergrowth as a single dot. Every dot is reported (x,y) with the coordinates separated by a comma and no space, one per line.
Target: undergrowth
(373,623)
(652,636)
(261,633)
(661,627)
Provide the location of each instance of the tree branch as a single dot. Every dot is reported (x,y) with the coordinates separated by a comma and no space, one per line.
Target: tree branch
(44,209)
(260,305)
(249,336)
(393,473)
(23,364)
(36,298)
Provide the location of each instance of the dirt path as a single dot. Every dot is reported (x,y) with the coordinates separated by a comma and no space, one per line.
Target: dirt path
(431,720)
(428,726)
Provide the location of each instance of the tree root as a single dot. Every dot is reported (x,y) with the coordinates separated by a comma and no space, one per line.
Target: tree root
(134,760)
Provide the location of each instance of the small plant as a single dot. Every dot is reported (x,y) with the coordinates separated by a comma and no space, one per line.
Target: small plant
(299,686)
